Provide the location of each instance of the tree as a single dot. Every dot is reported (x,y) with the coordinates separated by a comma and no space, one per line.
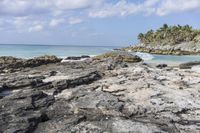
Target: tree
(169,35)
(141,37)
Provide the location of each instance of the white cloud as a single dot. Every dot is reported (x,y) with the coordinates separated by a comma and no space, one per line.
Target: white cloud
(35,7)
(37,14)
(74,21)
(55,22)
(36,28)
(174,6)
(75,4)
(97,8)
(158,7)
(121,8)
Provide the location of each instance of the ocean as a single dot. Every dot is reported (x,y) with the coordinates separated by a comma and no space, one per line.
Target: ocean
(30,51)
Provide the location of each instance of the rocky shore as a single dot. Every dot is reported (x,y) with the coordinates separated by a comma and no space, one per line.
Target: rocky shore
(115,92)
(168,40)
(186,48)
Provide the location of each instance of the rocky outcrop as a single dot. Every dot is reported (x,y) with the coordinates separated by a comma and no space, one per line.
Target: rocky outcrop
(11,64)
(42,60)
(189,65)
(187,48)
(120,56)
(101,95)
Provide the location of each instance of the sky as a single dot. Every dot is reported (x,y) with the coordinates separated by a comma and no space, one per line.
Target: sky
(90,22)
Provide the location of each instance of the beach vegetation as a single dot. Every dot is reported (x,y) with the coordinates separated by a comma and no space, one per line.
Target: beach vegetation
(170,35)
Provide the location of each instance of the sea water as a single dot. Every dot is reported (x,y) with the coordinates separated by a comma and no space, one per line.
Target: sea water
(30,51)
(154,58)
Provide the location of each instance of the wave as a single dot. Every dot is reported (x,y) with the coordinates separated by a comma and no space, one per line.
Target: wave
(145,56)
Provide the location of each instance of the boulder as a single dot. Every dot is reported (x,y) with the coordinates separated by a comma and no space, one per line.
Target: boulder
(120,56)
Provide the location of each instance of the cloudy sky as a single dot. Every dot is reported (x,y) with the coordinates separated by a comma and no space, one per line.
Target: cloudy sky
(90,22)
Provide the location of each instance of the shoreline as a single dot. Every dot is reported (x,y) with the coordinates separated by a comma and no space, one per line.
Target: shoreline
(116,92)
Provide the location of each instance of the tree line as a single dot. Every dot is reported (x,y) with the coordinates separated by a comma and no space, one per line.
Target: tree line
(170,35)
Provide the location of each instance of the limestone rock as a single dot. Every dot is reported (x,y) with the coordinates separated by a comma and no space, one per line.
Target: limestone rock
(120,56)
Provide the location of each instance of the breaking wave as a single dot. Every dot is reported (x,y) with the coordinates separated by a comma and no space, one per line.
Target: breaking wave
(145,56)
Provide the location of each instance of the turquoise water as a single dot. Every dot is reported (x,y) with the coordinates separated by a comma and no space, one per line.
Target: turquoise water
(168,58)
(29,51)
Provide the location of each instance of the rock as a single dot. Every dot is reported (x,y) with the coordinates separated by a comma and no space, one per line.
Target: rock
(42,60)
(120,56)
(104,95)
(53,73)
(11,64)
(85,56)
(77,57)
(80,80)
(189,65)
(161,66)
(119,126)
(21,82)
(23,111)
(9,60)
(73,58)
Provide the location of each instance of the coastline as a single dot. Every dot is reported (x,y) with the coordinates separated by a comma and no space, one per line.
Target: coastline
(115,90)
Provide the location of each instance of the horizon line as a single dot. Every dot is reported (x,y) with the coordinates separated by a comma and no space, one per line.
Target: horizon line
(64,45)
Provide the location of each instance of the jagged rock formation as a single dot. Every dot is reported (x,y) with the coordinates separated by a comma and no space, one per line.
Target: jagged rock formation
(173,40)
(10,64)
(101,95)
(120,56)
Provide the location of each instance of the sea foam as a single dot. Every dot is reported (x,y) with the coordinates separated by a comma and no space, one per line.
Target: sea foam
(144,56)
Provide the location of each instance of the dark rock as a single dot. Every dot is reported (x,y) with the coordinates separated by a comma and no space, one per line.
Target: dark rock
(77,57)
(53,73)
(21,82)
(42,60)
(85,56)
(189,65)
(23,111)
(73,58)
(11,64)
(161,66)
(85,79)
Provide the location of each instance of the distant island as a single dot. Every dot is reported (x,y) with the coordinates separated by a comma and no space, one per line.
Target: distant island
(169,40)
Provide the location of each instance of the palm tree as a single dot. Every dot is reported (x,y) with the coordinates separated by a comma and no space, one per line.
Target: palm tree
(170,34)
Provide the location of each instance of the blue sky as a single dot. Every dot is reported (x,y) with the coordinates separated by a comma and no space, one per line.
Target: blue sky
(90,22)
